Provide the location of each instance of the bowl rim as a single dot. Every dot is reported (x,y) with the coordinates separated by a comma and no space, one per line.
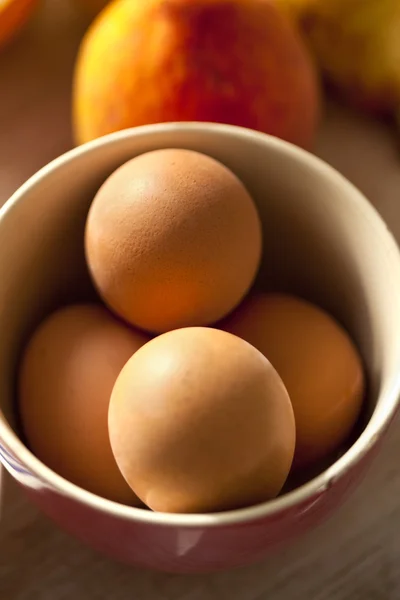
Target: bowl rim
(304,494)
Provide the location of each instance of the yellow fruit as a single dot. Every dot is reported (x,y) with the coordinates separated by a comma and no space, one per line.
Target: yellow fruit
(357,45)
(13,16)
(231,61)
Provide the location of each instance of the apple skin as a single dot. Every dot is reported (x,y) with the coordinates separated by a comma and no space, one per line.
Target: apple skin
(227,61)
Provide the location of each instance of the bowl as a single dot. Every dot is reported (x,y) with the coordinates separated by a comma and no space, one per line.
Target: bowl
(322,240)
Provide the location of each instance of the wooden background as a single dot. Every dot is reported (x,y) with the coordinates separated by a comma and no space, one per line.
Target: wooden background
(355,555)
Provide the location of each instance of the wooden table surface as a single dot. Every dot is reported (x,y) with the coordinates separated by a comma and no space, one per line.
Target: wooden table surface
(356,554)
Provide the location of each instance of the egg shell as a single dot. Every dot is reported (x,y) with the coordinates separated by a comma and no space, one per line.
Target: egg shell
(318,362)
(66,377)
(200,421)
(173,239)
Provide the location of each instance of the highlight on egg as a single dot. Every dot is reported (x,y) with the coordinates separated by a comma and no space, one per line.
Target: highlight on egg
(200,421)
(173,239)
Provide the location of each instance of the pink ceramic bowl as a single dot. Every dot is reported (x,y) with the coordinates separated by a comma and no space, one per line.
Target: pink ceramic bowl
(322,239)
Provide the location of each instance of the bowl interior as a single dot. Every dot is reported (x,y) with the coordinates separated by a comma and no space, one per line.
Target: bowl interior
(321,240)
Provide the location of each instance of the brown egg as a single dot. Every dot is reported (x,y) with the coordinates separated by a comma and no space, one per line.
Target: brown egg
(67,374)
(200,421)
(173,239)
(318,363)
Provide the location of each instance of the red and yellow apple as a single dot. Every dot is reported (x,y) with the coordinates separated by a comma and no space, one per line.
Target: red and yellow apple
(230,61)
